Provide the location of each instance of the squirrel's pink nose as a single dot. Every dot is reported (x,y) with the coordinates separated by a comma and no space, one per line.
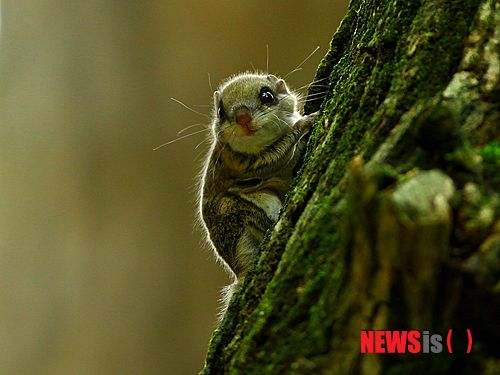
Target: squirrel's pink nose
(243,118)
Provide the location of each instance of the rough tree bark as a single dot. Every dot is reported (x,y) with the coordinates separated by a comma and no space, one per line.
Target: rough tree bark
(393,222)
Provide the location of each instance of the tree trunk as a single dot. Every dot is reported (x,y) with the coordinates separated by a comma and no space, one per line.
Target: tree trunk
(393,221)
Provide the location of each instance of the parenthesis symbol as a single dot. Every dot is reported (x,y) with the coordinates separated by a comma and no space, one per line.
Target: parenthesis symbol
(469,345)
(448,341)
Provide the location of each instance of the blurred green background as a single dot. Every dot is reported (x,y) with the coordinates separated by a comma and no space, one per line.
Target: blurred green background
(102,269)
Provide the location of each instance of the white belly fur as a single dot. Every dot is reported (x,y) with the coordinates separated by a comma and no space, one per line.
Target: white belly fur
(270,203)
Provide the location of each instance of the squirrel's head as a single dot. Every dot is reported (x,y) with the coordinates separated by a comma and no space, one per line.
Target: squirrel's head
(251,111)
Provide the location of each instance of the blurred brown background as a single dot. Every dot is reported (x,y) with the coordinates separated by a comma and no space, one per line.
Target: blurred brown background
(102,270)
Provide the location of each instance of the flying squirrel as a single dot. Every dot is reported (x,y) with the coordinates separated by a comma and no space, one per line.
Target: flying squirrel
(257,140)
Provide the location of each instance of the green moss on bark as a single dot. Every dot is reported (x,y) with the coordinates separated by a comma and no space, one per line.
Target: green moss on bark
(413,86)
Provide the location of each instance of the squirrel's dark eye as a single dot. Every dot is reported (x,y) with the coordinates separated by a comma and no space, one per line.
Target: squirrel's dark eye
(220,111)
(266,96)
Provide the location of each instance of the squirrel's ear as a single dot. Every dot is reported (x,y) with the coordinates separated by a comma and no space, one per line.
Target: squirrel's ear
(216,98)
(279,84)
(272,78)
(281,87)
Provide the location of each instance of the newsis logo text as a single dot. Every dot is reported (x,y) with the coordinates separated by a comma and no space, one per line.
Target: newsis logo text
(411,341)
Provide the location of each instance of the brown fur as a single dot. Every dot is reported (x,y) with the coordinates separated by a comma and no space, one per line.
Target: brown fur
(225,211)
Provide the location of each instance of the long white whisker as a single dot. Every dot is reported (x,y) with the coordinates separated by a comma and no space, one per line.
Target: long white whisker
(316,94)
(298,67)
(199,144)
(293,71)
(313,83)
(179,138)
(281,120)
(312,96)
(267,58)
(311,99)
(189,127)
(210,83)
(189,108)
(309,86)
(209,138)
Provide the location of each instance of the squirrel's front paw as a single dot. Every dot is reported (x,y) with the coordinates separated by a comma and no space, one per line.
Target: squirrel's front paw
(306,122)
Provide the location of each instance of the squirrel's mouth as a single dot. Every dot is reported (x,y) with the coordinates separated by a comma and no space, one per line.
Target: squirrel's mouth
(248,128)
(245,121)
